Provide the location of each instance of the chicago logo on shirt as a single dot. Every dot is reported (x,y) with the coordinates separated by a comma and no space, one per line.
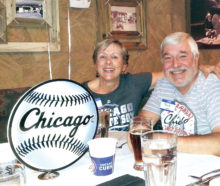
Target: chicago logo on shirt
(178,119)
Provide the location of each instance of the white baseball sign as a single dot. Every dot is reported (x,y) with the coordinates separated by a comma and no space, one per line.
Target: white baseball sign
(50,125)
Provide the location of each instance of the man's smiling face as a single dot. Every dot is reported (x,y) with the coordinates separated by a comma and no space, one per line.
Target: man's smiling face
(179,65)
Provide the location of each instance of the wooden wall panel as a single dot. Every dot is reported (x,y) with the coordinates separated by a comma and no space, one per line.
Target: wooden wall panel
(29,69)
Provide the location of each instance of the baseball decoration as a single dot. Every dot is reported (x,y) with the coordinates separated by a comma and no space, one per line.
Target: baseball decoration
(50,125)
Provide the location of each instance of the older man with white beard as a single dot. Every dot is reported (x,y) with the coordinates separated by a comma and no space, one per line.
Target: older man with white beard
(186,102)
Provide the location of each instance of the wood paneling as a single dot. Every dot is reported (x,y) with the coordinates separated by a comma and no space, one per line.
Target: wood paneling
(29,69)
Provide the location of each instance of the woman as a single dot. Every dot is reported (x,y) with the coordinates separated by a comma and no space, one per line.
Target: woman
(116,90)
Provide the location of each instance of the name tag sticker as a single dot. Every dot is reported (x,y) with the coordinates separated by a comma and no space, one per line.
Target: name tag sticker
(167,105)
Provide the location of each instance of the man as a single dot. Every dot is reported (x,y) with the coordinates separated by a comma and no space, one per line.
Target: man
(186,102)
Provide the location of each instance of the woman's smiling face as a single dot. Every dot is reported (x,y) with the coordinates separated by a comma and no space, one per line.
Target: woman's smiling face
(110,64)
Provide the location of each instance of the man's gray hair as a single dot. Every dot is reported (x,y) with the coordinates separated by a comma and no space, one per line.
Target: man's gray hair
(179,37)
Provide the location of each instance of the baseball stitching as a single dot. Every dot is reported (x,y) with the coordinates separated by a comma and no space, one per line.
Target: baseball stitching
(73,145)
(38,98)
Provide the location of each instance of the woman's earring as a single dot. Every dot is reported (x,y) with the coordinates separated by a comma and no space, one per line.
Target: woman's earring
(97,74)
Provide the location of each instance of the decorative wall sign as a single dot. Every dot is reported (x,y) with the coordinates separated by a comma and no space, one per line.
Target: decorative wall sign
(124,20)
(50,125)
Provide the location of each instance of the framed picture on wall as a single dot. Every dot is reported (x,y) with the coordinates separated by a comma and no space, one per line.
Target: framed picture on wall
(124,20)
(3,32)
(28,16)
(203,22)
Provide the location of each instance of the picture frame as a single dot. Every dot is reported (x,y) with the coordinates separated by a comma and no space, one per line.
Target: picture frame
(49,21)
(3,28)
(201,16)
(124,20)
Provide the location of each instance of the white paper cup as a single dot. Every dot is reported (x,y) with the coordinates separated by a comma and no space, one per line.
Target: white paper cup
(102,153)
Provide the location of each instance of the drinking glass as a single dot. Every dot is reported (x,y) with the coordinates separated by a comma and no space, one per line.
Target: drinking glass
(137,127)
(159,156)
(12,174)
(103,124)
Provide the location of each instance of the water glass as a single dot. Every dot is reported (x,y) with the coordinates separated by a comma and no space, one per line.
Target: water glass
(159,149)
(138,126)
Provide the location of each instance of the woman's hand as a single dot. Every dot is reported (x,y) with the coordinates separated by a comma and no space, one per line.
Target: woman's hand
(207,69)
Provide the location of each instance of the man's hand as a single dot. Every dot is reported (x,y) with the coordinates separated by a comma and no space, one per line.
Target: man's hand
(207,69)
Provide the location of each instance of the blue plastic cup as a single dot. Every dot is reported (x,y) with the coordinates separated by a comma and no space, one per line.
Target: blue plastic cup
(102,153)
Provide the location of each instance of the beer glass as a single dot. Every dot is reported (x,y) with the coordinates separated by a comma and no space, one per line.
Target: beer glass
(159,157)
(138,126)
